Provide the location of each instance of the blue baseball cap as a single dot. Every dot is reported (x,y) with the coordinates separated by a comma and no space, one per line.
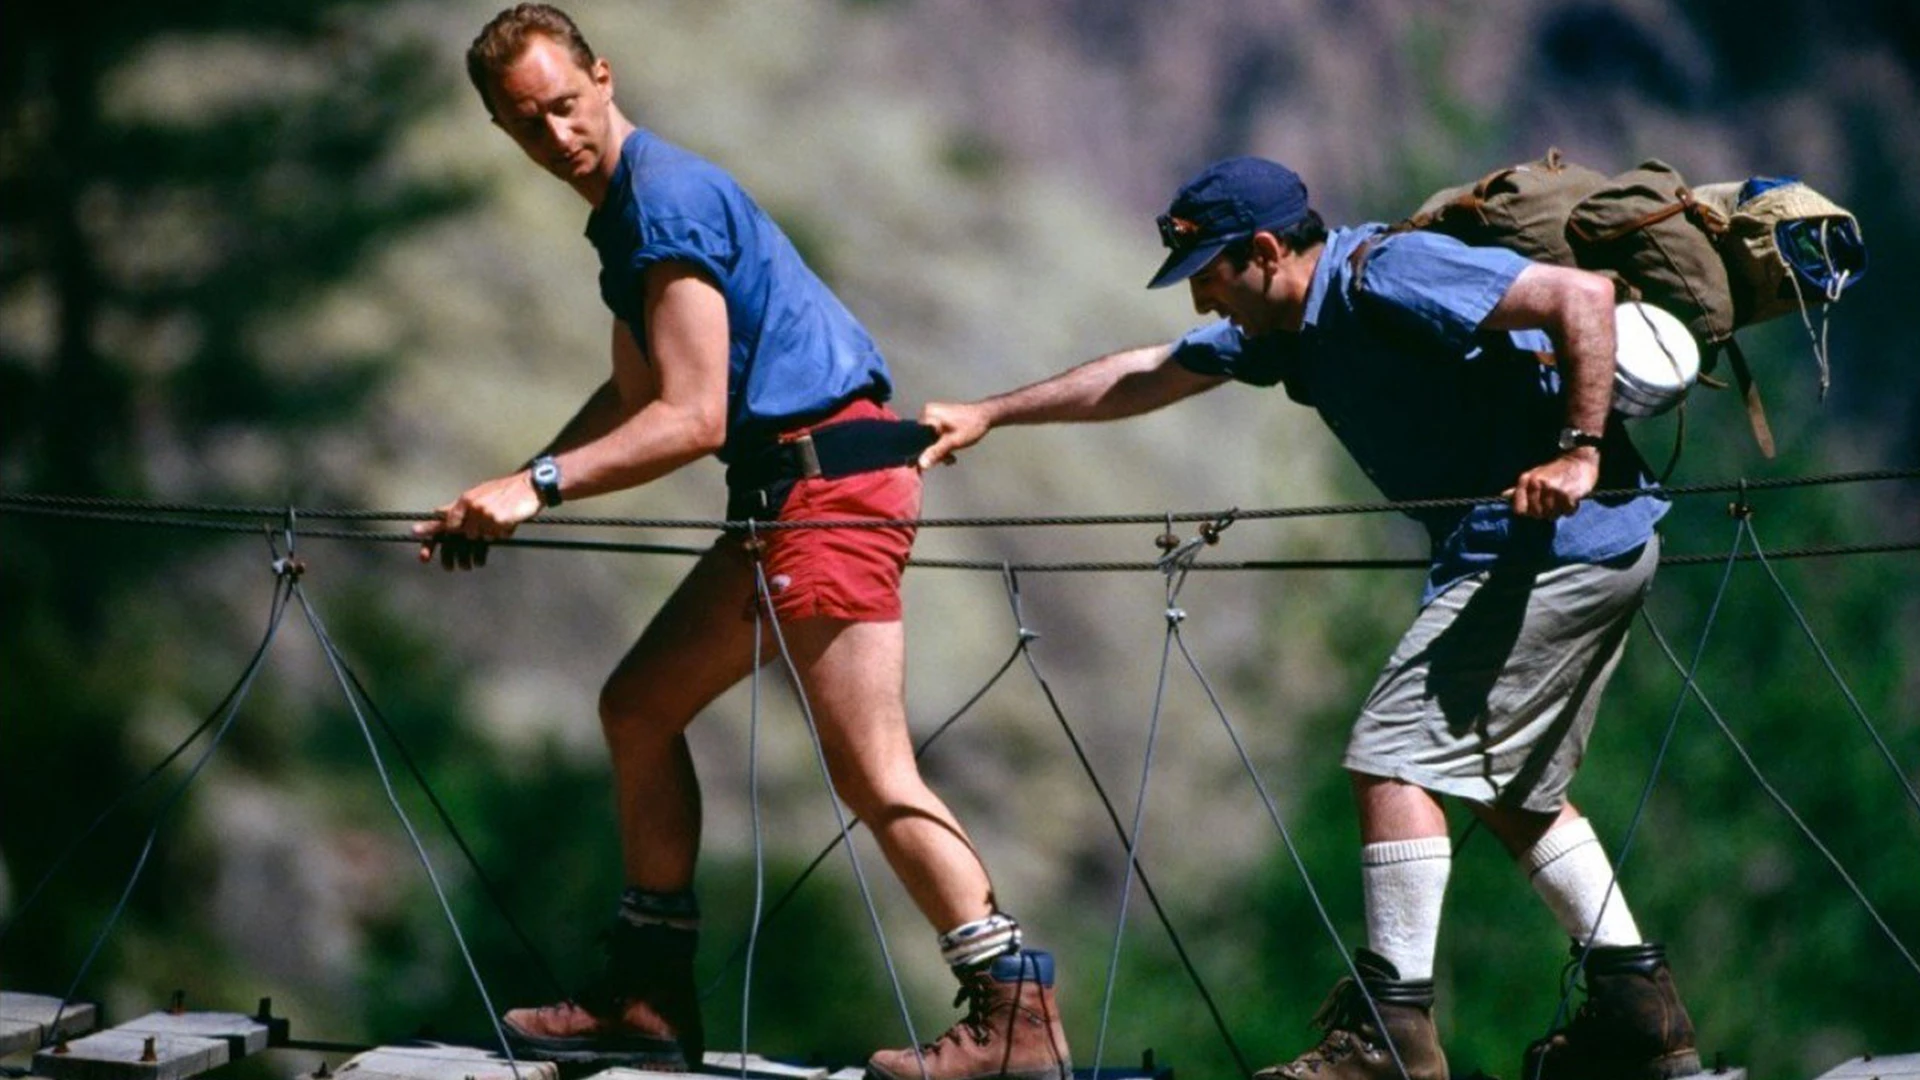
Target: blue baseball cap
(1229,200)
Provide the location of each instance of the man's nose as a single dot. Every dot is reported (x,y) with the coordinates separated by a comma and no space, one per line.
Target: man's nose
(556,131)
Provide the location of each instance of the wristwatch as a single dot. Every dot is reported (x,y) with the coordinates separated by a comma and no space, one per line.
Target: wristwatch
(1571,437)
(546,480)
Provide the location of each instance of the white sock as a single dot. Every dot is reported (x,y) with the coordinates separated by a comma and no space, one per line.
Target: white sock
(1571,873)
(1404,882)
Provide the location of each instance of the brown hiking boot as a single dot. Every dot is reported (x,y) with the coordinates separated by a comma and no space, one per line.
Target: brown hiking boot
(1012,1029)
(642,1012)
(1359,1046)
(1631,1027)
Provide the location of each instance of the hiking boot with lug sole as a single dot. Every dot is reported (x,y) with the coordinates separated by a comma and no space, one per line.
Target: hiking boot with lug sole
(641,1013)
(1011,1030)
(1631,1026)
(1360,1046)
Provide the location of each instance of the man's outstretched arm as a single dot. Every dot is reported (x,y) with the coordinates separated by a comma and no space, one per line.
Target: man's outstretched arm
(1112,387)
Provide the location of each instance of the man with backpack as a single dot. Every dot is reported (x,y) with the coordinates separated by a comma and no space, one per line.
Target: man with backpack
(1422,354)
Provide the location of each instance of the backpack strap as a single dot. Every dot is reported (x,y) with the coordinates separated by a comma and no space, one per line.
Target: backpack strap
(1750,395)
(1704,215)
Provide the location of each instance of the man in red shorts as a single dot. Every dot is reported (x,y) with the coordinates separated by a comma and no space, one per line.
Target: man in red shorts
(725,343)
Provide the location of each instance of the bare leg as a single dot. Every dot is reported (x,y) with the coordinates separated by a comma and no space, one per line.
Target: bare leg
(1520,830)
(854,677)
(1395,810)
(697,646)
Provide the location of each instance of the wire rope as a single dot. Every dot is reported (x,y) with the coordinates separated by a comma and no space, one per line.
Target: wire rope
(338,666)
(1293,850)
(1780,800)
(284,584)
(1653,775)
(1859,711)
(66,853)
(765,600)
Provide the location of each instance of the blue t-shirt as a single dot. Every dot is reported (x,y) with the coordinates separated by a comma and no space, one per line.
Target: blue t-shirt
(1433,407)
(796,353)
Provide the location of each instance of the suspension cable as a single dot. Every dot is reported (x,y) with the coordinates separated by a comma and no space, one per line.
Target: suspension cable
(28,503)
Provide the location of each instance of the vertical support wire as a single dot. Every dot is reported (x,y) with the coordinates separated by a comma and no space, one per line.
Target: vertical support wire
(1012,583)
(806,874)
(1741,514)
(753,802)
(338,666)
(839,814)
(1293,852)
(282,589)
(1173,617)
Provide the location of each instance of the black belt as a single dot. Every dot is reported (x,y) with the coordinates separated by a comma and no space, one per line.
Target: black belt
(758,480)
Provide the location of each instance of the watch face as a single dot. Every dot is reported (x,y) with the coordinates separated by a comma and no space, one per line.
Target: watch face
(546,473)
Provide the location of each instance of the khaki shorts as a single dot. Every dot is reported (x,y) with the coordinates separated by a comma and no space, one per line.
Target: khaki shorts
(1491,694)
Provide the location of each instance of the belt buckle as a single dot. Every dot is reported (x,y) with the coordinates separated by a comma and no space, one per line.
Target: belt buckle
(806,454)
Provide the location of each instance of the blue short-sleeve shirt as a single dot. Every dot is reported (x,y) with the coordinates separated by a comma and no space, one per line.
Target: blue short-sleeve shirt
(1430,405)
(796,353)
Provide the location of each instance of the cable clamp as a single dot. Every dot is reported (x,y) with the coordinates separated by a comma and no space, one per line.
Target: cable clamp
(1740,509)
(1210,530)
(1176,616)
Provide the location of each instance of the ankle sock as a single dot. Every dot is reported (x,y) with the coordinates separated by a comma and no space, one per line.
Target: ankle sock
(1571,872)
(678,910)
(971,946)
(1404,882)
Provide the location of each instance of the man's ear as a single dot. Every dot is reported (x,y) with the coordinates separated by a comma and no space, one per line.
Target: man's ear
(1268,250)
(602,74)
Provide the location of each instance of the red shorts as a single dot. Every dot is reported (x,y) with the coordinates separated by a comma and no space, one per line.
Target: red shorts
(849,574)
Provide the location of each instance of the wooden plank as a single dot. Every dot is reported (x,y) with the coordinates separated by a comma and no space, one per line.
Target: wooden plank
(117,1054)
(436,1061)
(24,1019)
(757,1067)
(244,1034)
(1877,1067)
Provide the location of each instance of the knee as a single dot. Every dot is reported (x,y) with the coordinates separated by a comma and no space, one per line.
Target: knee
(627,715)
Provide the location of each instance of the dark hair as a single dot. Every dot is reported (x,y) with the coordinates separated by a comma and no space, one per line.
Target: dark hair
(502,41)
(1308,232)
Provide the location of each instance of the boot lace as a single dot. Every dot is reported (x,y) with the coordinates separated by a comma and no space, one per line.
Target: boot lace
(1571,980)
(976,997)
(1337,1017)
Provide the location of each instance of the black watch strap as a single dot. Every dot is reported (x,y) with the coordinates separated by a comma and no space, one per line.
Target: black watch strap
(545,474)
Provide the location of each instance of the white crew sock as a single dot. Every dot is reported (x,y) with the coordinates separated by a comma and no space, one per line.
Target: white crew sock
(1404,882)
(1571,873)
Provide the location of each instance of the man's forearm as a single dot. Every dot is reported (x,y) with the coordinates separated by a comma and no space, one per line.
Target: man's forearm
(1113,386)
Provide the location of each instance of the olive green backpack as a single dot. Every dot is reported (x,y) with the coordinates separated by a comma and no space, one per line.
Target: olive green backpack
(1718,258)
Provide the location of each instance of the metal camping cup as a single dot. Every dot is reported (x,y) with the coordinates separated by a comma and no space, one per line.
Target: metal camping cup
(1657,361)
